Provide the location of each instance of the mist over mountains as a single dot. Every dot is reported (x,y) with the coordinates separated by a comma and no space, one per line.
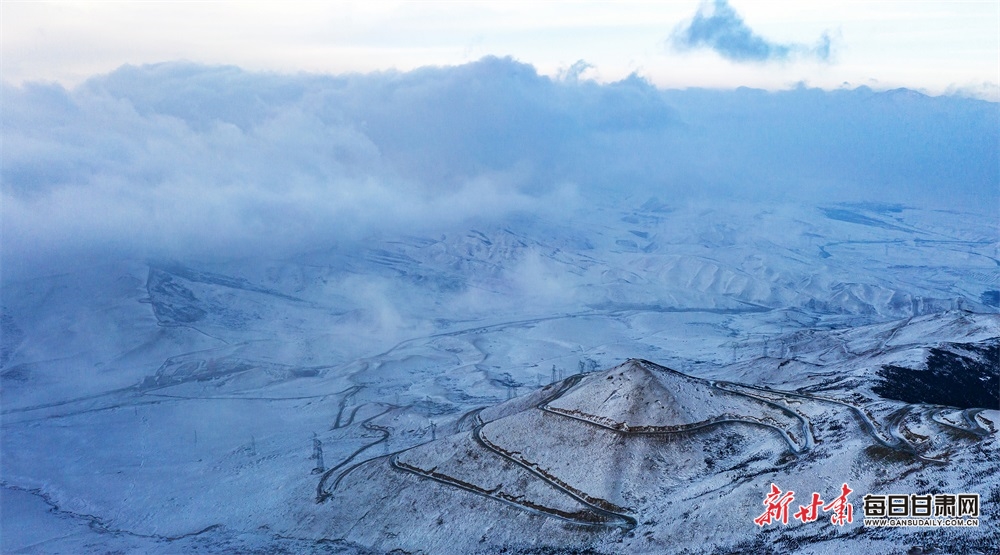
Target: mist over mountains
(181,158)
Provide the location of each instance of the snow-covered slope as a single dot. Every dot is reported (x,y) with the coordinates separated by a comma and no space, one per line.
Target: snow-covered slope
(445,392)
(584,453)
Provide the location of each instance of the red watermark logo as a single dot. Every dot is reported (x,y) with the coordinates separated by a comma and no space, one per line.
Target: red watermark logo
(777,503)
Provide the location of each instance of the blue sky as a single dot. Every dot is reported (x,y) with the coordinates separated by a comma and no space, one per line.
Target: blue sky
(935,47)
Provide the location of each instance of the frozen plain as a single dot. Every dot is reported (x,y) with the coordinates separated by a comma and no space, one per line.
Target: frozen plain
(177,405)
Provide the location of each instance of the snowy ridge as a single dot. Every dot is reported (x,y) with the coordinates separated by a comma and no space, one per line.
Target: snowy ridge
(642,397)
(599,449)
(142,393)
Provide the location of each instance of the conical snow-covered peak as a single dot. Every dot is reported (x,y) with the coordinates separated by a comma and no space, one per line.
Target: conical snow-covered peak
(641,396)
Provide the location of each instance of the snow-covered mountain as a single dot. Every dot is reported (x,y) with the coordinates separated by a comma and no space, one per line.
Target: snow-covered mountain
(478,309)
(644,459)
(452,392)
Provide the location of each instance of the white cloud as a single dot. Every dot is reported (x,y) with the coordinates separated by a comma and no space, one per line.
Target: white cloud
(184,158)
(923,45)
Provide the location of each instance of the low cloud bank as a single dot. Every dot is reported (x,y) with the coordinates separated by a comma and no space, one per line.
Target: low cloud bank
(179,158)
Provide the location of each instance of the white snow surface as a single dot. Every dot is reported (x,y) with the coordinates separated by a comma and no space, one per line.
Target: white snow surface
(630,385)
